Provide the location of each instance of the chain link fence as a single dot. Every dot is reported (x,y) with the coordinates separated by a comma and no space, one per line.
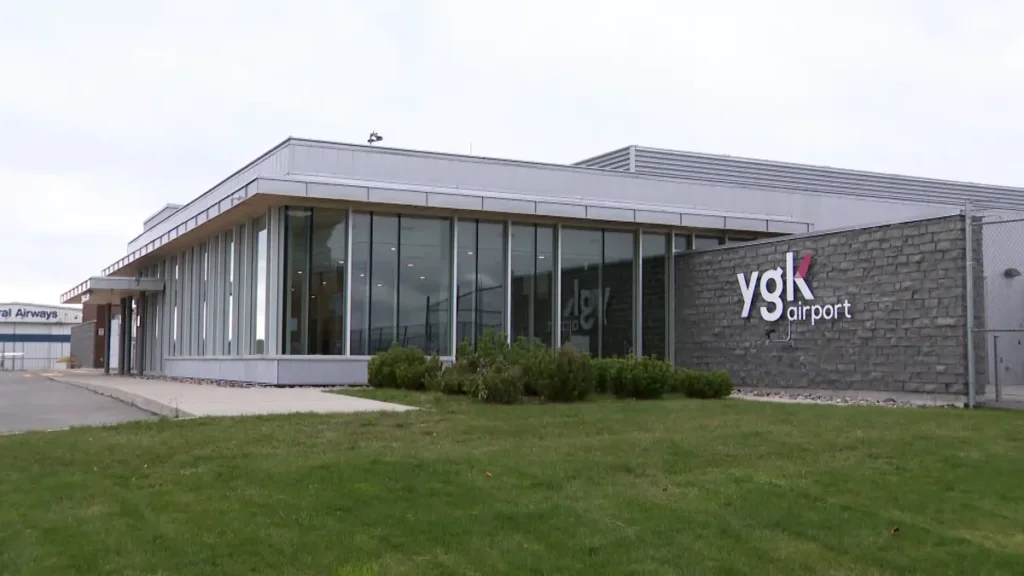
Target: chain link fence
(996,310)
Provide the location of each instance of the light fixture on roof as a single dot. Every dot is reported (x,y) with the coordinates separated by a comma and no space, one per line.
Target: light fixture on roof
(374,137)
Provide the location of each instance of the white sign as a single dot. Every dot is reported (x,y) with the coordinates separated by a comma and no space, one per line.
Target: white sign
(771,286)
(585,307)
(38,314)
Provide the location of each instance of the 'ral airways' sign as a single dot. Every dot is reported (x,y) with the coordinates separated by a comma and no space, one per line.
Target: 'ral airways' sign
(771,286)
(27,314)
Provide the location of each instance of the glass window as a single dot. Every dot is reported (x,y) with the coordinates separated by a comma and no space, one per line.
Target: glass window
(654,295)
(705,242)
(174,304)
(296,247)
(597,291)
(582,252)
(532,312)
(359,334)
(424,284)
(401,284)
(616,306)
(229,244)
(383,282)
(259,269)
(481,286)
(203,279)
(327,282)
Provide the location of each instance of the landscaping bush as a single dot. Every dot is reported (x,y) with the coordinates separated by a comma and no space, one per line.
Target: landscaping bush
(397,367)
(643,378)
(693,384)
(432,373)
(500,383)
(604,370)
(572,377)
(536,363)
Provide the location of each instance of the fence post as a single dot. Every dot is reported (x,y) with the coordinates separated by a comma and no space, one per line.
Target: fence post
(970,303)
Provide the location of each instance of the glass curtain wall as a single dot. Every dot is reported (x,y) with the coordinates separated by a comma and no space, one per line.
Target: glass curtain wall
(401,282)
(533,264)
(259,272)
(597,290)
(481,280)
(654,295)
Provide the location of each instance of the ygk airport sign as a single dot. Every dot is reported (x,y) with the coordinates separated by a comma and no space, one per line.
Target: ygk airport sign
(771,284)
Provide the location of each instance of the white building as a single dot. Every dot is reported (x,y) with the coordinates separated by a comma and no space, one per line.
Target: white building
(35,337)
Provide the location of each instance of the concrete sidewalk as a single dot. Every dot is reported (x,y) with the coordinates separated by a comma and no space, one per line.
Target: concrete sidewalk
(181,400)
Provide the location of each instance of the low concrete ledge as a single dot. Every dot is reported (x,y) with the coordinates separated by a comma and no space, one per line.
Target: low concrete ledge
(129,398)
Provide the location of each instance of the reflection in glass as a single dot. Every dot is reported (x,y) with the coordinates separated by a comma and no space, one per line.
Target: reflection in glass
(296,248)
(616,303)
(360,298)
(655,295)
(205,256)
(597,290)
(481,269)
(327,281)
(532,310)
(705,242)
(582,294)
(175,303)
(424,292)
(259,268)
(401,283)
(229,243)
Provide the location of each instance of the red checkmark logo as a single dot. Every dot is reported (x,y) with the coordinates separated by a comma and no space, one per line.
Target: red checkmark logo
(805,265)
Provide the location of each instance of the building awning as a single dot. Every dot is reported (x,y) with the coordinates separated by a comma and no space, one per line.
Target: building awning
(110,289)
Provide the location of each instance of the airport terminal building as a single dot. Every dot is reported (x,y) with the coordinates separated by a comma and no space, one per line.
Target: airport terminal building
(304,263)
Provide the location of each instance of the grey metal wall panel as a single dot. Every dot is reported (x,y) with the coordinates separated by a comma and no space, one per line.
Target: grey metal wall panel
(398,197)
(318,190)
(562,210)
(746,224)
(255,370)
(788,227)
(614,160)
(324,371)
(505,205)
(455,201)
(600,213)
(695,221)
(280,187)
(580,185)
(649,217)
(797,177)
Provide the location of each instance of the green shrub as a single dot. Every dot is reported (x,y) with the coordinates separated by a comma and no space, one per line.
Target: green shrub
(571,379)
(500,383)
(432,373)
(604,370)
(715,384)
(643,378)
(536,363)
(397,367)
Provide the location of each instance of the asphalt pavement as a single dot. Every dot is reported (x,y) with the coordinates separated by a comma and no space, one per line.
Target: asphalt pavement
(29,401)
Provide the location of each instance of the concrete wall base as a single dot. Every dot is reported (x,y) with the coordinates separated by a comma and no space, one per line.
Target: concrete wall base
(273,370)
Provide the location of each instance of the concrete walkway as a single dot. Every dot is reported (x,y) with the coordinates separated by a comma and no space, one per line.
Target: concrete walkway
(181,400)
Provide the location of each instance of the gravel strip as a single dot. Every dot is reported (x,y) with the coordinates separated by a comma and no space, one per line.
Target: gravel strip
(805,398)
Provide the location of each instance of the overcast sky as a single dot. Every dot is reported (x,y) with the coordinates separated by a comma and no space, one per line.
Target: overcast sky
(109,109)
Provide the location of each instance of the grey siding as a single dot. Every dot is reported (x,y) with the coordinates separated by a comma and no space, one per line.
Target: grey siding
(907,332)
(83,343)
(620,159)
(797,177)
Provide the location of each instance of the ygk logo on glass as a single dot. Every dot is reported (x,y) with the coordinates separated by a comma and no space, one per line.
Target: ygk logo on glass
(771,286)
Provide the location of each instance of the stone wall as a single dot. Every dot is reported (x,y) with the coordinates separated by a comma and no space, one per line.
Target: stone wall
(906,331)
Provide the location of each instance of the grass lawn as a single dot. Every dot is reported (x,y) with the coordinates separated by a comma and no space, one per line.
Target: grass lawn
(604,487)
